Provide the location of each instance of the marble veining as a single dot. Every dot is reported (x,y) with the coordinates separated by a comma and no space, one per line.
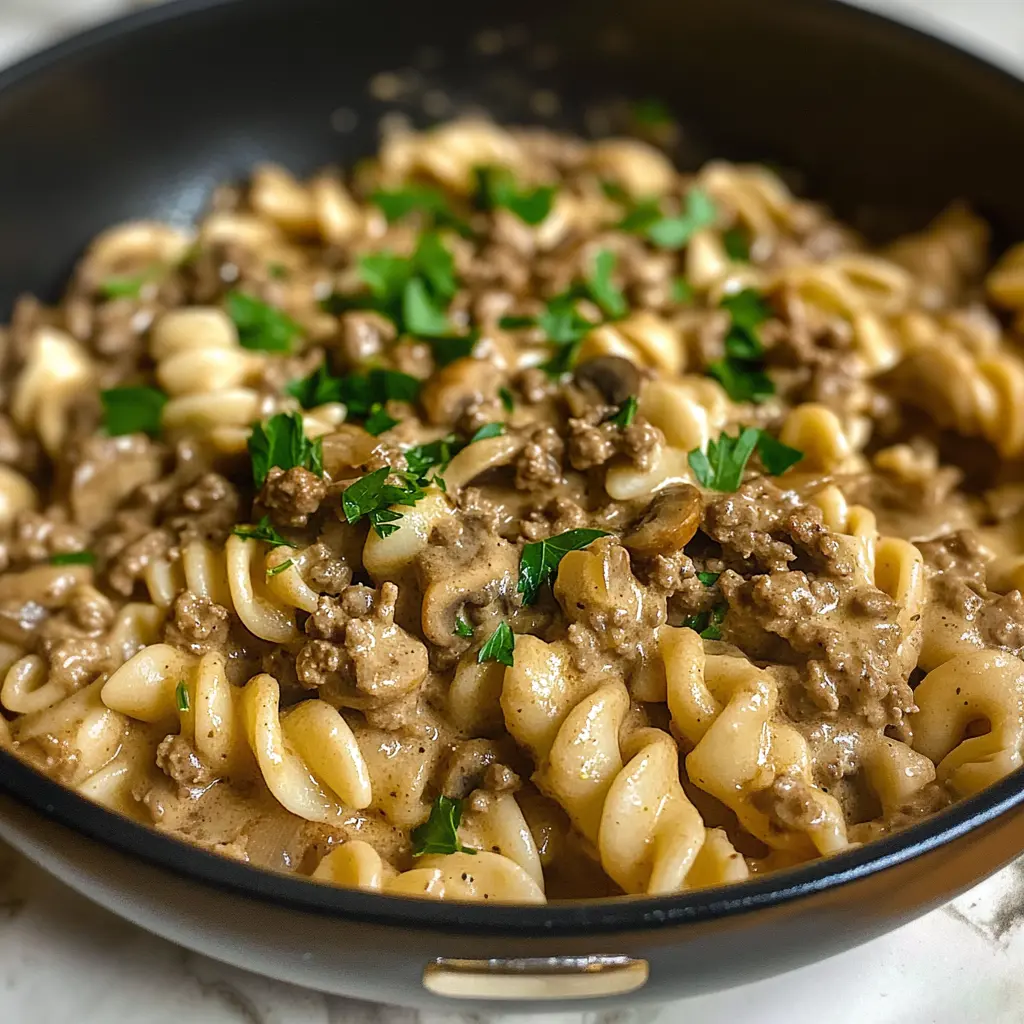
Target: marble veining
(65,961)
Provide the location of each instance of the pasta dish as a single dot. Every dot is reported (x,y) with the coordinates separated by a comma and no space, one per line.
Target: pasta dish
(518,518)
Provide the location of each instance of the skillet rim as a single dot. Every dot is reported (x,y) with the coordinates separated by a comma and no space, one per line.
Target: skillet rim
(51,800)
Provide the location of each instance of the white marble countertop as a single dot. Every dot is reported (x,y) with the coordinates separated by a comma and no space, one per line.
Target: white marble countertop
(65,961)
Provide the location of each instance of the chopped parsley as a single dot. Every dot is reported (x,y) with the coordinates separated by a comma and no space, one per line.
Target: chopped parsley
(286,564)
(181,696)
(440,832)
(127,286)
(708,624)
(499,646)
(418,199)
(496,186)
(433,455)
(626,414)
(378,421)
(282,442)
(599,284)
(671,231)
(462,627)
(682,292)
(742,372)
(260,326)
(73,558)
(775,456)
(488,430)
(539,560)
(721,469)
(709,579)
(507,399)
(737,245)
(371,496)
(363,395)
(263,531)
(132,410)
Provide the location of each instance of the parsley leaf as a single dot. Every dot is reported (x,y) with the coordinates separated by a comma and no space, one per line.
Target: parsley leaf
(361,394)
(709,579)
(499,646)
(181,696)
(372,496)
(132,410)
(263,531)
(378,421)
(742,372)
(721,469)
(286,564)
(418,198)
(127,286)
(462,627)
(626,414)
(539,560)
(422,315)
(73,558)
(708,624)
(281,442)
(496,187)
(737,245)
(507,399)
(601,289)
(260,326)
(424,457)
(436,264)
(682,292)
(488,430)
(440,832)
(775,456)
(671,232)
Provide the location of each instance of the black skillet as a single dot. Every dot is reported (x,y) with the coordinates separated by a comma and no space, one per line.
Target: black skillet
(142,117)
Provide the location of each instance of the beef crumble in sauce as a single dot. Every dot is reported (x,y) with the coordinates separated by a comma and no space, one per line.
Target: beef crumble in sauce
(517,518)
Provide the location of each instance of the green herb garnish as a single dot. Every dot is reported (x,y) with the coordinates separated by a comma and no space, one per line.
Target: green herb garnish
(132,410)
(721,469)
(681,291)
(742,372)
(462,627)
(440,832)
(488,430)
(626,414)
(708,624)
(378,421)
(599,284)
(709,579)
(775,456)
(127,286)
(260,326)
(282,442)
(73,558)
(372,496)
(651,113)
(263,531)
(539,560)
(671,232)
(433,455)
(418,199)
(286,564)
(181,696)
(496,187)
(507,399)
(737,245)
(499,646)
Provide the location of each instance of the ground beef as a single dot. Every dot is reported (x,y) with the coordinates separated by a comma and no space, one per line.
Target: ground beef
(178,761)
(197,624)
(540,463)
(771,528)
(130,564)
(593,445)
(361,338)
(466,766)
(291,496)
